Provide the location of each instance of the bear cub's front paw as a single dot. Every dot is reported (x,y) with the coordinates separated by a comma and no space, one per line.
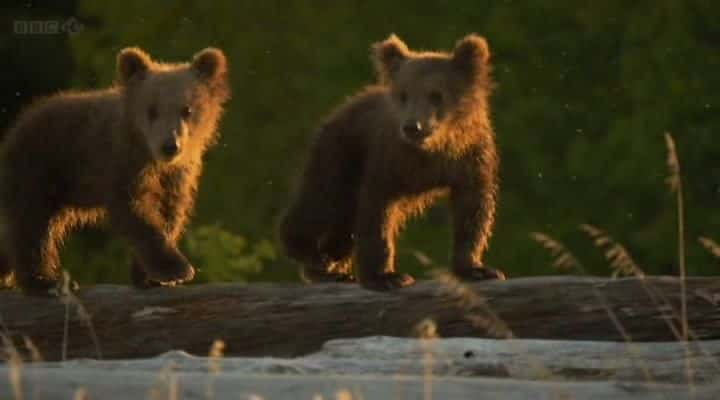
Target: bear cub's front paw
(169,271)
(481,273)
(334,272)
(309,275)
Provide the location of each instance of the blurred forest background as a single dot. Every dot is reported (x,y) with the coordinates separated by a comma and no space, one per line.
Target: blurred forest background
(586,91)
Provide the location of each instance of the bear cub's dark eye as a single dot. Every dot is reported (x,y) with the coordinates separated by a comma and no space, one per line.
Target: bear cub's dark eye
(152,113)
(435,97)
(185,112)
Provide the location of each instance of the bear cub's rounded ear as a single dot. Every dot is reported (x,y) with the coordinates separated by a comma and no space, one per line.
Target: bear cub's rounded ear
(388,55)
(210,63)
(471,52)
(132,63)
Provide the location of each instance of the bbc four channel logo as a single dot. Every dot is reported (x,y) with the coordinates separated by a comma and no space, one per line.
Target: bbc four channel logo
(70,26)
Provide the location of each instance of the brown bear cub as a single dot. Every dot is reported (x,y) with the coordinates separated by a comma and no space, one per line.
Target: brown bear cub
(132,152)
(386,154)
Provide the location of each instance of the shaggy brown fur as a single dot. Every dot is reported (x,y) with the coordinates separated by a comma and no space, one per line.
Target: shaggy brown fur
(132,152)
(389,152)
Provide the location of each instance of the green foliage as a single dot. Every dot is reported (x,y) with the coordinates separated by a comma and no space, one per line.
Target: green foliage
(91,256)
(585,93)
(224,256)
(220,255)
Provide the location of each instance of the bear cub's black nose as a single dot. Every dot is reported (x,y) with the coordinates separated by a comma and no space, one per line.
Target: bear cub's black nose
(170,148)
(414,130)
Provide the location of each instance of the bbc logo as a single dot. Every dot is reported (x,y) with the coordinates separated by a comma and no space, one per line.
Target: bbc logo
(46,27)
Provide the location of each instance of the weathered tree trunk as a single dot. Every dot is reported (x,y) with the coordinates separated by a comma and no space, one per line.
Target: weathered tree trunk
(289,320)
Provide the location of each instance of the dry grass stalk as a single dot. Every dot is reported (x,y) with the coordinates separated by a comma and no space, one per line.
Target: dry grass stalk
(68,298)
(673,164)
(674,181)
(481,316)
(343,394)
(478,313)
(422,258)
(80,394)
(35,355)
(166,384)
(710,245)
(565,261)
(426,331)
(14,361)
(215,355)
(623,264)
(621,261)
(217,352)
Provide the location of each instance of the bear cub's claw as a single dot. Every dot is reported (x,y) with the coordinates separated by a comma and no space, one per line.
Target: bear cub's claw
(149,278)
(171,276)
(149,284)
(7,281)
(387,282)
(309,275)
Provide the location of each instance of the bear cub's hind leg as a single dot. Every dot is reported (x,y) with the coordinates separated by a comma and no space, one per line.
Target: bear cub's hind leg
(325,253)
(33,252)
(335,249)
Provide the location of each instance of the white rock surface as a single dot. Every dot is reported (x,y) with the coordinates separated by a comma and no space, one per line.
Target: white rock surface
(393,368)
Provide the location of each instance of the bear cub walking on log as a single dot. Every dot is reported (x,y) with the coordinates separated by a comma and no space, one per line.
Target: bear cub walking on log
(424,131)
(132,152)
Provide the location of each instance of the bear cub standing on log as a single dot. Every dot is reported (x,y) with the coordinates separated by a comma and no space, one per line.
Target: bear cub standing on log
(132,152)
(386,154)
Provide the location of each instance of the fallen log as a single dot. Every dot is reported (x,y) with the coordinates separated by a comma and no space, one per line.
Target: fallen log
(287,320)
